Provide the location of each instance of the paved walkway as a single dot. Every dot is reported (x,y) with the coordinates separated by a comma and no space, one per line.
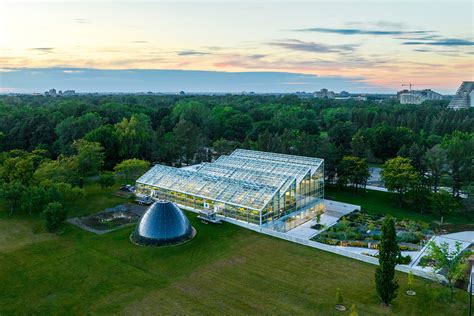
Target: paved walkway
(334,211)
(466,239)
(305,230)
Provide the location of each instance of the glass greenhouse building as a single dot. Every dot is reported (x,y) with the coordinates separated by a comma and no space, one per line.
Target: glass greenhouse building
(271,190)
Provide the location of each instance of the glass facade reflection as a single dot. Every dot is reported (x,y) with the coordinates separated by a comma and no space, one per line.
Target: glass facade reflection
(272,190)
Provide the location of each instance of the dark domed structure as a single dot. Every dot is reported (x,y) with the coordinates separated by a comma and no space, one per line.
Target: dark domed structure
(163,224)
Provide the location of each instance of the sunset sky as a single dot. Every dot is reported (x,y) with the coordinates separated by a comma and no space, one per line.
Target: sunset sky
(367,46)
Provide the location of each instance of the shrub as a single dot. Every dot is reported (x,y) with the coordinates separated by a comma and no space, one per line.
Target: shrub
(407,248)
(404,259)
(106,179)
(339,297)
(409,237)
(357,243)
(54,215)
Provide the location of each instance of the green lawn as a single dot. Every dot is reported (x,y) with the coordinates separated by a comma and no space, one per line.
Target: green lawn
(97,199)
(377,202)
(224,270)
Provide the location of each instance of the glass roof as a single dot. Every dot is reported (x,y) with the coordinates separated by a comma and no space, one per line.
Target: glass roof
(223,189)
(246,178)
(234,172)
(292,172)
(311,162)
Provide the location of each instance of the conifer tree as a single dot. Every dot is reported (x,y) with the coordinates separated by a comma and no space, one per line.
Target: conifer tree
(385,281)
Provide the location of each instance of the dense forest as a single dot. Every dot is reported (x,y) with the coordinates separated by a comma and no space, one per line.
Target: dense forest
(68,140)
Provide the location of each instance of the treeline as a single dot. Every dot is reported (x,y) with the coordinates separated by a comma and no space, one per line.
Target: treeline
(179,130)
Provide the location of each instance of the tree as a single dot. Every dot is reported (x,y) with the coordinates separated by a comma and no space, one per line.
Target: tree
(17,168)
(106,179)
(443,203)
(341,134)
(188,139)
(105,135)
(435,160)
(419,198)
(389,252)
(90,157)
(12,193)
(73,128)
(469,200)
(339,300)
(61,192)
(33,198)
(460,152)
(131,169)
(133,136)
(399,176)
(223,146)
(451,262)
(54,215)
(353,170)
(318,217)
(353,311)
(411,281)
(63,169)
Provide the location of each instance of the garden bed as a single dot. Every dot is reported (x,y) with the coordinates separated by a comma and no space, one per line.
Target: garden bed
(360,229)
(112,218)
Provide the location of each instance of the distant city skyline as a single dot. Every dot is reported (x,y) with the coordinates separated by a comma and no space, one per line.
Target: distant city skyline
(267,46)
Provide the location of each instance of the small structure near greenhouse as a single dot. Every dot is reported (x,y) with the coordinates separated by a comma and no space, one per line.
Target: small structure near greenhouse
(163,224)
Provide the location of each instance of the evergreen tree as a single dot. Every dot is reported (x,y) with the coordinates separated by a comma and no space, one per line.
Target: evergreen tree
(385,281)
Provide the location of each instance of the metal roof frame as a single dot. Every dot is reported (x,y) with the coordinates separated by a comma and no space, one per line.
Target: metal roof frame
(246,178)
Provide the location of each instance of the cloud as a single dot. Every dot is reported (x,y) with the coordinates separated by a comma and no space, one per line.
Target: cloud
(442,42)
(313,47)
(43,49)
(358,31)
(139,42)
(423,50)
(257,56)
(191,53)
(81,21)
(71,71)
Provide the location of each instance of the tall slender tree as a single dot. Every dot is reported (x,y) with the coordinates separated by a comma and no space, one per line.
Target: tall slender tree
(434,160)
(389,252)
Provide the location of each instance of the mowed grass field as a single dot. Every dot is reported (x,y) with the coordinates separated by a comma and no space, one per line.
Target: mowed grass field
(224,270)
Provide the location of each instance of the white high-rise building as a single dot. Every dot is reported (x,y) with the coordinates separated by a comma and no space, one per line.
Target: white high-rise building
(464,97)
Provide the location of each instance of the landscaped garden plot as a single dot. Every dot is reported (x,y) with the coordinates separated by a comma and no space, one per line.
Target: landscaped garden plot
(360,229)
(113,218)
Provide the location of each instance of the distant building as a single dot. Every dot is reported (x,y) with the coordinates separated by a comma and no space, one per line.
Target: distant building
(417,96)
(464,97)
(68,93)
(349,97)
(360,98)
(344,94)
(50,93)
(324,94)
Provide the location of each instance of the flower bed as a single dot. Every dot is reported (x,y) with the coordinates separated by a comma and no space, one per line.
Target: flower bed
(360,229)
(110,219)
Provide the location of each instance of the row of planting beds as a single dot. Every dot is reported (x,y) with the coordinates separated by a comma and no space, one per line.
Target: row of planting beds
(360,229)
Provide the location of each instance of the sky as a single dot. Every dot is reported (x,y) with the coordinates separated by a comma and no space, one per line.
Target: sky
(225,46)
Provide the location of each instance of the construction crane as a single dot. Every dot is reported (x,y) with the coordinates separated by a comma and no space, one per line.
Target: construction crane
(418,84)
(407,85)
